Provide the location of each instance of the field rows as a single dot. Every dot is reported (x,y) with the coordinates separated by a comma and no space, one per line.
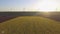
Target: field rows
(30,25)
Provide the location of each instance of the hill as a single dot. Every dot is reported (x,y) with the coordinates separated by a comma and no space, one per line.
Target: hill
(30,25)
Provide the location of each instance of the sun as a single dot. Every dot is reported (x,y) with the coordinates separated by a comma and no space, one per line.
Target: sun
(47,6)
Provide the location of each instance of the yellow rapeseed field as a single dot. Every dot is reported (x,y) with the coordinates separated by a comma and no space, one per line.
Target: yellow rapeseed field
(30,25)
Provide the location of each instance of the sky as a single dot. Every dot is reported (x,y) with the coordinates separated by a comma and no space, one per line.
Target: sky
(29,5)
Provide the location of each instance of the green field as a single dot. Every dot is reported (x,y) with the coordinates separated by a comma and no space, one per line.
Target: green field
(30,25)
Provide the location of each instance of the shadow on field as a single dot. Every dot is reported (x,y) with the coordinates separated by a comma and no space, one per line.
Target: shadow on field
(4,16)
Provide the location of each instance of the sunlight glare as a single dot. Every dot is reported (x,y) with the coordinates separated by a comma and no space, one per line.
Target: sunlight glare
(47,6)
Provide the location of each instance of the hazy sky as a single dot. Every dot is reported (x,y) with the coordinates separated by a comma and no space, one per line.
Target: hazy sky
(17,5)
